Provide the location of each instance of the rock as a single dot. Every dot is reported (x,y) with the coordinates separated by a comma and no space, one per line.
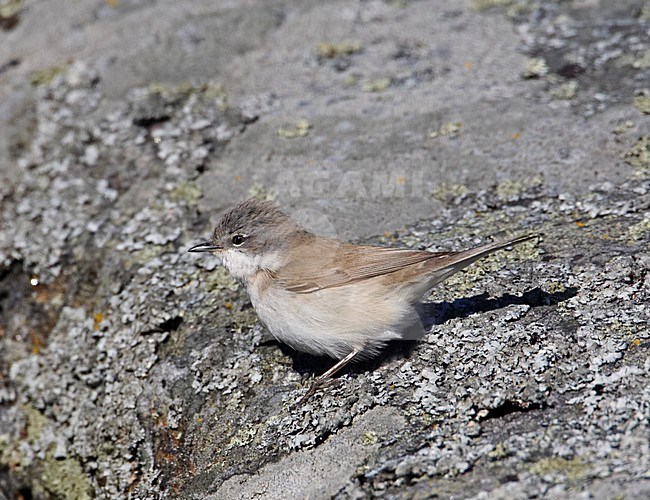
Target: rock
(131,368)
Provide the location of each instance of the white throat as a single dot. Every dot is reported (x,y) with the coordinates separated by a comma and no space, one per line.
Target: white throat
(244,267)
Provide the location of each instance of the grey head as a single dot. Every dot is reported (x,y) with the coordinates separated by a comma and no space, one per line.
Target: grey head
(253,227)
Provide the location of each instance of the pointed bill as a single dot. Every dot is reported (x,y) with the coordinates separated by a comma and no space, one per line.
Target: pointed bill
(206,246)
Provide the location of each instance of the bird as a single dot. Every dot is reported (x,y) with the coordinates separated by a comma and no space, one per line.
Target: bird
(325,296)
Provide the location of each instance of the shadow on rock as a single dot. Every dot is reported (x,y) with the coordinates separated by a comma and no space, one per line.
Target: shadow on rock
(437,314)
(430,315)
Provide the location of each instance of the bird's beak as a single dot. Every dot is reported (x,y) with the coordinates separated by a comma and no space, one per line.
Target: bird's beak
(206,246)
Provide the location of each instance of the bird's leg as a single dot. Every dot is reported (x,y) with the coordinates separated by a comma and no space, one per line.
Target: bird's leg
(325,377)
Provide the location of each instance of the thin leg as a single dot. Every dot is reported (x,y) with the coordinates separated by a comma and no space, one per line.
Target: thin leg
(327,375)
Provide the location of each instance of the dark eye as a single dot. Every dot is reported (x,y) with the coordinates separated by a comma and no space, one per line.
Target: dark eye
(238,240)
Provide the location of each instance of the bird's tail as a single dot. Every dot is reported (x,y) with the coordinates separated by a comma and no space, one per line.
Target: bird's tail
(453,262)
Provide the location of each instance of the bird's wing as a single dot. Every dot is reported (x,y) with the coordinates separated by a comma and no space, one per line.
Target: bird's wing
(347,264)
(338,263)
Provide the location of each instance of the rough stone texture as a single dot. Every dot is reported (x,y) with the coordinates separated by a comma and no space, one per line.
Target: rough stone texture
(130,368)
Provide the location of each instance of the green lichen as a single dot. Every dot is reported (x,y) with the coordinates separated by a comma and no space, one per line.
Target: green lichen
(481,5)
(450,193)
(575,469)
(11,8)
(511,190)
(217,92)
(350,80)
(65,479)
(179,93)
(565,91)
(642,62)
(521,8)
(262,193)
(639,155)
(640,231)
(244,436)
(378,85)
(300,129)
(45,76)
(187,192)
(147,254)
(500,451)
(625,330)
(624,127)
(332,50)
(369,438)
(220,279)
(642,103)
(48,477)
(451,129)
(535,67)
(554,287)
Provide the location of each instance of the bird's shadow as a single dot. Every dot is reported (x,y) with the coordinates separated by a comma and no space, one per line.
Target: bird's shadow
(436,314)
(431,314)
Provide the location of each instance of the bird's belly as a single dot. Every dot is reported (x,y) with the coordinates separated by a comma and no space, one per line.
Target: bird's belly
(333,321)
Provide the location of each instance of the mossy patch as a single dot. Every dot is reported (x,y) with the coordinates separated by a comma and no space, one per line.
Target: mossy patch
(65,479)
(450,193)
(535,68)
(451,129)
(500,451)
(49,476)
(187,192)
(144,256)
(639,155)
(511,190)
(300,129)
(10,8)
(163,94)
(481,5)
(331,50)
(641,230)
(244,436)
(565,91)
(369,438)
(220,279)
(554,287)
(642,103)
(45,76)
(262,193)
(575,469)
(624,127)
(378,85)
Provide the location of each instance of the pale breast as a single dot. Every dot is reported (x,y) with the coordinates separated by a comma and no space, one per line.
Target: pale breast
(332,321)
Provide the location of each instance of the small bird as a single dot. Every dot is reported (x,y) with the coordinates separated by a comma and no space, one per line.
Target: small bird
(325,296)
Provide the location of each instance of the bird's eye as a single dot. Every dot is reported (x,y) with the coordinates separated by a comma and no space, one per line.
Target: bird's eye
(238,240)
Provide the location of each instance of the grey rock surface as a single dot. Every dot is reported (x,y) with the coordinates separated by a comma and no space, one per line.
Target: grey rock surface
(130,368)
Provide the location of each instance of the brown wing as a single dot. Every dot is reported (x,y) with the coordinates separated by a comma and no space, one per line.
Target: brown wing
(338,263)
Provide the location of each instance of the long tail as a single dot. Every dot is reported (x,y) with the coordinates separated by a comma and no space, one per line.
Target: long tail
(451,263)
